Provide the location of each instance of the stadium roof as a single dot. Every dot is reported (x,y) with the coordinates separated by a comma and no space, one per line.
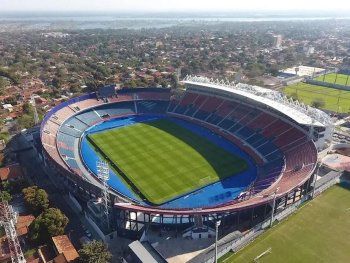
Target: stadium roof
(299,112)
(144,253)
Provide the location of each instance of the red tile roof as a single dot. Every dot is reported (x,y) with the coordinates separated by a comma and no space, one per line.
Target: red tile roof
(63,245)
(23,223)
(10,172)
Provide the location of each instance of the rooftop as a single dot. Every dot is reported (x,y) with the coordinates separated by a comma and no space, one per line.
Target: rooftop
(299,112)
(303,71)
(144,253)
(23,223)
(64,245)
(12,171)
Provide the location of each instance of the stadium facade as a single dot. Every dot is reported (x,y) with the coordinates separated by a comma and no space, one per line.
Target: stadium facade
(280,135)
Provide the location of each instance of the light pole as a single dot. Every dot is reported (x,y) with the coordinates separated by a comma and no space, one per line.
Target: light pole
(217,224)
(273,205)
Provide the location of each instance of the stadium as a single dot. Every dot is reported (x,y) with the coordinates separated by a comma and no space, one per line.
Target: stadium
(183,160)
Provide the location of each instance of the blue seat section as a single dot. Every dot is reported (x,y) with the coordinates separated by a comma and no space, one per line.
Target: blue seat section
(214,119)
(66,103)
(72,163)
(89,117)
(150,106)
(70,131)
(269,151)
(76,123)
(260,141)
(66,152)
(191,110)
(180,109)
(268,174)
(202,115)
(226,124)
(235,128)
(245,132)
(172,105)
(121,108)
(67,139)
(255,138)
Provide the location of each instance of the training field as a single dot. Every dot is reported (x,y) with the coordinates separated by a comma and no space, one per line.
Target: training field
(340,79)
(163,160)
(334,99)
(317,232)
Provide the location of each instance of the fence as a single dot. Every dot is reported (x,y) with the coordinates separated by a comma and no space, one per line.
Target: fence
(327,181)
(327,84)
(227,243)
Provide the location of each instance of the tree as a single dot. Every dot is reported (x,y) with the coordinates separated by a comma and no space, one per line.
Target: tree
(294,96)
(36,199)
(2,85)
(5,196)
(27,108)
(57,82)
(26,121)
(94,252)
(318,103)
(49,223)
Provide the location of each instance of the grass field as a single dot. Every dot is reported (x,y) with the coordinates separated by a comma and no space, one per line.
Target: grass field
(340,79)
(334,99)
(317,232)
(164,160)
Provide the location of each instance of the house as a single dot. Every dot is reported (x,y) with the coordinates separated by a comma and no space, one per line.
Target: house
(64,249)
(8,107)
(11,172)
(22,225)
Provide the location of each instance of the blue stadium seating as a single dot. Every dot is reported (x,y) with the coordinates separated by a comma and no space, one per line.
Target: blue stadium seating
(78,124)
(202,115)
(214,119)
(226,124)
(72,163)
(245,132)
(66,152)
(116,109)
(180,109)
(172,106)
(152,106)
(191,110)
(70,131)
(68,140)
(89,117)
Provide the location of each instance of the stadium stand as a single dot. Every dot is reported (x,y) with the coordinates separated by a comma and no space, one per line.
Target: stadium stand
(89,117)
(283,151)
(152,106)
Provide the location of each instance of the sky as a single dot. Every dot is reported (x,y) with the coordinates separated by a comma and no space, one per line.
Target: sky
(171,5)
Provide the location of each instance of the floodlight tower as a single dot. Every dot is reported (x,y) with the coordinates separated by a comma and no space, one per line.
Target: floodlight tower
(8,219)
(103,175)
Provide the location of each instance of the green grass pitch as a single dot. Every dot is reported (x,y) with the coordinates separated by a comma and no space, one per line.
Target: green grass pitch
(340,79)
(334,99)
(164,160)
(317,232)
